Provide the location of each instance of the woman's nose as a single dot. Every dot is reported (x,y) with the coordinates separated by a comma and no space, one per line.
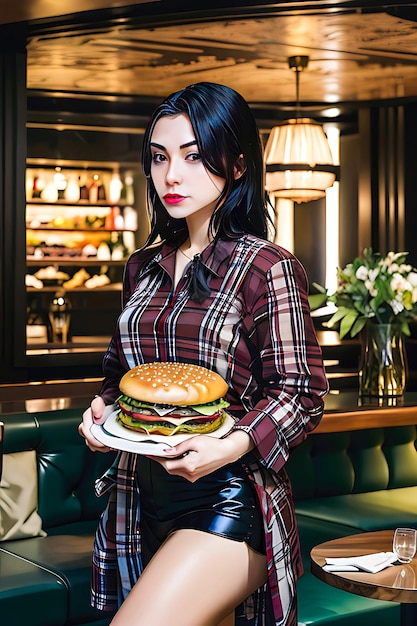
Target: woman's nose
(173,174)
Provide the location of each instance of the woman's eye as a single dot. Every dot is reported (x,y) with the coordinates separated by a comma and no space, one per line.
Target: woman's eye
(193,156)
(158,157)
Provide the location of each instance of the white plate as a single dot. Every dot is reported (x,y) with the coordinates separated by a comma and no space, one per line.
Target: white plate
(114,435)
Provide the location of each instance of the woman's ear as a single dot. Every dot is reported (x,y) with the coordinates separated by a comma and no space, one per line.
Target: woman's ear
(240,167)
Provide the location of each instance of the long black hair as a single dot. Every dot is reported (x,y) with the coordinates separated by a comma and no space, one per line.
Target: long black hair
(226,134)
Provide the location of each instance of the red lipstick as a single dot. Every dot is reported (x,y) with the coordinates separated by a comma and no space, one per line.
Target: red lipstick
(173,198)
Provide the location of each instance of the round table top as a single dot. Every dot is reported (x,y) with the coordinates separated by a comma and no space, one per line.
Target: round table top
(396,583)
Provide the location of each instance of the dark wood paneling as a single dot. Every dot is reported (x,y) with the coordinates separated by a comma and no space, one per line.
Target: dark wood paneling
(12,199)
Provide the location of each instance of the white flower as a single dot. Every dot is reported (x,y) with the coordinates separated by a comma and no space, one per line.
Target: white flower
(376,287)
(396,306)
(393,256)
(399,283)
(412,279)
(362,273)
(370,285)
(373,273)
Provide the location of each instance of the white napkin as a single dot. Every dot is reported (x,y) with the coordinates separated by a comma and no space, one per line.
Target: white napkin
(371,563)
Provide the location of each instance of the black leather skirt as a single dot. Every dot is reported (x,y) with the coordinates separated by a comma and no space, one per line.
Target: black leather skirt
(223,503)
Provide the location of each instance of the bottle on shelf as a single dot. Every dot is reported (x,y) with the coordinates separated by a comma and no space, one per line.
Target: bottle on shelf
(60,317)
(83,187)
(101,190)
(129,190)
(50,192)
(118,249)
(60,182)
(93,191)
(72,191)
(38,185)
(118,219)
(115,188)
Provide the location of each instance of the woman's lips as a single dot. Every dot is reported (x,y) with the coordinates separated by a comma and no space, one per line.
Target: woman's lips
(173,198)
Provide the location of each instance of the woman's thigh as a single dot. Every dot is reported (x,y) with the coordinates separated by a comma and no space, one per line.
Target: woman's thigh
(195,579)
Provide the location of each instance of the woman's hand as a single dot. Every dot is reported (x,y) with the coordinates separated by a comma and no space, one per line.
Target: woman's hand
(93,415)
(200,455)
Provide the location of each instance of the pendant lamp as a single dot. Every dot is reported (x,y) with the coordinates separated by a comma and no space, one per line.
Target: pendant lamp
(299,163)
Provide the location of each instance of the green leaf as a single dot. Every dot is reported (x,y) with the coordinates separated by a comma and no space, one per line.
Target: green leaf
(338,315)
(317,300)
(405,328)
(347,323)
(359,324)
(319,288)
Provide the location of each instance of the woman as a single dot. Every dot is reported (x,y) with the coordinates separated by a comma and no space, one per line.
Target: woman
(208,288)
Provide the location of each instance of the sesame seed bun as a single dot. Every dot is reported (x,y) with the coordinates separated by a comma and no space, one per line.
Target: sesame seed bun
(173,383)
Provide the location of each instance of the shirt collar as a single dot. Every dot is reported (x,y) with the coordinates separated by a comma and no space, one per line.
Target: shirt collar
(215,257)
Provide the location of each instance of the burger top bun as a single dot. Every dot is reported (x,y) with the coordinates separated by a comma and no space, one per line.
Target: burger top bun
(173,383)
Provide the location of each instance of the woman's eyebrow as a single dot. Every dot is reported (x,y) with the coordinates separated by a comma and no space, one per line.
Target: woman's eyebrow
(190,143)
(184,145)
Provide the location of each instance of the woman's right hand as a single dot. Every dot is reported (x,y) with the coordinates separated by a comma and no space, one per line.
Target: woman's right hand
(93,415)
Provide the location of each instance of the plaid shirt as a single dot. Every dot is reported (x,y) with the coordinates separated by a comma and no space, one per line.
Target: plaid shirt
(255,330)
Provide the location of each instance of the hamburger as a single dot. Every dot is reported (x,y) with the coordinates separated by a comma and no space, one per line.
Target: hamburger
(172,398)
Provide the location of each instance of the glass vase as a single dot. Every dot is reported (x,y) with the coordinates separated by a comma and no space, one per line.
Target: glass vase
(383,366)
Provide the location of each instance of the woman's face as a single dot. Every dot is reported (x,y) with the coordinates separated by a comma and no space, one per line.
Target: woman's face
(186,188)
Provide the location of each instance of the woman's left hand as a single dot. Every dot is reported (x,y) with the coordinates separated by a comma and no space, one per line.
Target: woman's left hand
(200,455)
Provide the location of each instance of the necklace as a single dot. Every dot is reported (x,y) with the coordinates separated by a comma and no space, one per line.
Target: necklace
(190,258)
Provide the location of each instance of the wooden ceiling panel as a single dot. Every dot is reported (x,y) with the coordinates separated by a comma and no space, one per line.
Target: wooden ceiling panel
(353,57)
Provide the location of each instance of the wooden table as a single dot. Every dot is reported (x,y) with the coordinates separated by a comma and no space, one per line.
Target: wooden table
(396,583)
(348,411)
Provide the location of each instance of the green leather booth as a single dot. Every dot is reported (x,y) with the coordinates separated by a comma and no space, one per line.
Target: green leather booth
(343,483)
(45,581)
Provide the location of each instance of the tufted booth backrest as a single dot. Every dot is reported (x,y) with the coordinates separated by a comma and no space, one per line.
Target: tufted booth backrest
(67,469)
(330,464)
(323,465)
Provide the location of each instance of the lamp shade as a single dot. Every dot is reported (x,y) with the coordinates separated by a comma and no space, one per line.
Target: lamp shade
(299,163)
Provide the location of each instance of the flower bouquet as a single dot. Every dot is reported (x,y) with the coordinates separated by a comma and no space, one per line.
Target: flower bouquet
(377,294)
(376,289)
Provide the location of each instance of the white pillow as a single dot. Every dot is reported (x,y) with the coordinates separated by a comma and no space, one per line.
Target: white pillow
(19,517)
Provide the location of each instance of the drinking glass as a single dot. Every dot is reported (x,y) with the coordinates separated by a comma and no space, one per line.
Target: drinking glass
(404,544)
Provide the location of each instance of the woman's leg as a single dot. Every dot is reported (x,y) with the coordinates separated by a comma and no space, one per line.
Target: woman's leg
(195,579)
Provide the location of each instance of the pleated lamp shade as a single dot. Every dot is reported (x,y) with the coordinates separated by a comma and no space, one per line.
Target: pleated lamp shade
(299,163)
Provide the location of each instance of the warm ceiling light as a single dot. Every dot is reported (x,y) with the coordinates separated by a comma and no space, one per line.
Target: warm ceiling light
(299,163)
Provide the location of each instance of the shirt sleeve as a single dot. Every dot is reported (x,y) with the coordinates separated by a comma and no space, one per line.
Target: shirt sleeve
(289,368)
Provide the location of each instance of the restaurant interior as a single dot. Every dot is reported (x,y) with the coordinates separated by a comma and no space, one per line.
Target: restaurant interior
(78,85)
(77,91)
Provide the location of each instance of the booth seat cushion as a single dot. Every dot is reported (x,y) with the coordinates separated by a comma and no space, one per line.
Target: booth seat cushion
(319,604)
(26,590)
(376,510)
(69,558)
